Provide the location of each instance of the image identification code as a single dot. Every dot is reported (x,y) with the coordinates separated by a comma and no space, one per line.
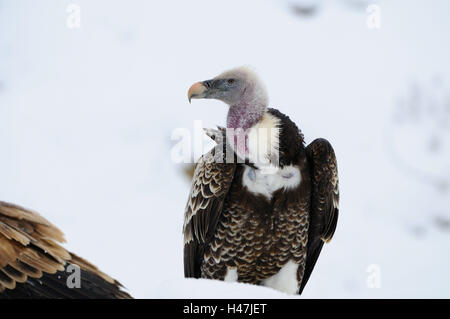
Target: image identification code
(239,308)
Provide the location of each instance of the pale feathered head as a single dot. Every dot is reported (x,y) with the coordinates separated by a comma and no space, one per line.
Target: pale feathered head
(237,87)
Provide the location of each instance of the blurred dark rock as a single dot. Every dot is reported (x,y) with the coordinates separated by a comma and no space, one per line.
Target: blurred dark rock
(434,144)
(418,231)
(442,223)
(304,10)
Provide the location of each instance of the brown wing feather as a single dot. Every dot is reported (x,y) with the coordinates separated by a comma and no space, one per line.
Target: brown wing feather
(210,185)
(324,203)
(29,248)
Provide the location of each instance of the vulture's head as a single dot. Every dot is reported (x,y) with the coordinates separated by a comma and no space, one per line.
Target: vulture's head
(238,87)
(242,90)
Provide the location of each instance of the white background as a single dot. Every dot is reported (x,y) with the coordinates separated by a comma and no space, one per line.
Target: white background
(87,116)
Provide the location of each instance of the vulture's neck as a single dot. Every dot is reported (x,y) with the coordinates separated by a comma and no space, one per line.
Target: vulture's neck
(244,116)
(249,110)
(249,113)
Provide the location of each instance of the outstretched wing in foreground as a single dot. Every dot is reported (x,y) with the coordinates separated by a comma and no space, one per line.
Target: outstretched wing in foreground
(324,201)
(34,265)
(210,184)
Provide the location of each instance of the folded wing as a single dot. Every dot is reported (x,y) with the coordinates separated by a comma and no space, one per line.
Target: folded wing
(34,265)
(210,185)
(324,202)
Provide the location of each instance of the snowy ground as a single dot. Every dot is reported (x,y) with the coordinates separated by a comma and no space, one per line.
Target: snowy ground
(87,116)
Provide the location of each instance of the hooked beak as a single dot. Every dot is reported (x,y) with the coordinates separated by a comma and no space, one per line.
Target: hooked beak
(197,91)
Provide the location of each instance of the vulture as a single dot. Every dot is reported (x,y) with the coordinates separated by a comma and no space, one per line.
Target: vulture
(261,203)
(34,266)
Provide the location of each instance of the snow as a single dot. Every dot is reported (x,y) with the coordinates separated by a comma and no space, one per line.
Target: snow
(87,116)
(212,289)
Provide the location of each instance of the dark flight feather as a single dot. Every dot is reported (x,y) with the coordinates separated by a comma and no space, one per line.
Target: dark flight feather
(33,264)
(324,203)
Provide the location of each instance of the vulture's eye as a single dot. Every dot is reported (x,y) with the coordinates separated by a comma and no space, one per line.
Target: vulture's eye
(230,81)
